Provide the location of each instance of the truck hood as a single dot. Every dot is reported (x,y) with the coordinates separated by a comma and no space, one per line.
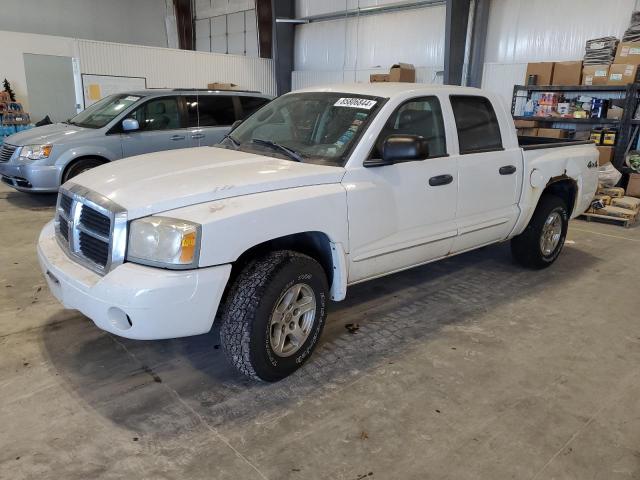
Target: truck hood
(55,134)
(162,181)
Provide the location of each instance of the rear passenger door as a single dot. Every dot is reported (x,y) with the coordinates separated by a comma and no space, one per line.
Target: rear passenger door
(210,117)
(490,175)
(160,128)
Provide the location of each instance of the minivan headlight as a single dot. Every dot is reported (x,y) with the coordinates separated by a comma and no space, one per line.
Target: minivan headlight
(164,242)
(36,152)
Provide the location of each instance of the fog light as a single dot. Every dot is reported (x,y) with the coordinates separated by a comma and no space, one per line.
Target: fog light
(119,319)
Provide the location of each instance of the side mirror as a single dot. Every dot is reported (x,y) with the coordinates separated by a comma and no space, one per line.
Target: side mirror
(401,148)
(235,125)
(130,125)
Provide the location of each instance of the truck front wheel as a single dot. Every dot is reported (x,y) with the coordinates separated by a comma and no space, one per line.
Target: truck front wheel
(542,241)
(274,315)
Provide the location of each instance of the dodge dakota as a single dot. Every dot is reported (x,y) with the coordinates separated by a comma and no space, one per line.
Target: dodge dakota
(318,190)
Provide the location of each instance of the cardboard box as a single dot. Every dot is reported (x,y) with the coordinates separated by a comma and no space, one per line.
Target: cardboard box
(595,74)
(552,133)
(606,155)
(222,86)
(526,123)
(615,112)
(628,52)
(633,187)
(378,77)
(582,134)
(529,132)
(621,74)
(402,72)
(567,73)
(630,203)
(543,72)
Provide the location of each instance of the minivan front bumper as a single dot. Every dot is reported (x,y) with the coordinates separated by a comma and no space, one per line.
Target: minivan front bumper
(28,176)
(135,301)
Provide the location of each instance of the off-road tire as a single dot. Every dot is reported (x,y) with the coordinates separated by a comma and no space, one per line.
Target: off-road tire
(250,302)
(80,166)
(525,248)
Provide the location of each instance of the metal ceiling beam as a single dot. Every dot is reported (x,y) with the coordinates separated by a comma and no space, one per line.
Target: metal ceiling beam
(455,40)
(358,12)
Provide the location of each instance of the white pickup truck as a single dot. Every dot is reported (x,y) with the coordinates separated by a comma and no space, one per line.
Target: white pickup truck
(318,190)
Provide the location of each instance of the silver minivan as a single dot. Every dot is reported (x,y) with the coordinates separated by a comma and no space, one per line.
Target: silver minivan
(118,126)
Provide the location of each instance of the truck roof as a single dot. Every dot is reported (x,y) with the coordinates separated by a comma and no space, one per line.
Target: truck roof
(391,89)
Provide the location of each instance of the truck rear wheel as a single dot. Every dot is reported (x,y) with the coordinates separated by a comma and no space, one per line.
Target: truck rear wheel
(542,241)
(274,315)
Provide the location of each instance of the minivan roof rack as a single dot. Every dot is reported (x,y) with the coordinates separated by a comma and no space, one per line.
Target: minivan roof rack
(212,90)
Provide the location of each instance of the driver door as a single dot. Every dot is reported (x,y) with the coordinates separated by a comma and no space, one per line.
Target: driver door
(160,128)
(404,214)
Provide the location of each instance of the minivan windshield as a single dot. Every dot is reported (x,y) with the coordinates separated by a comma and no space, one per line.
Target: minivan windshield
(103,111)
(318,127)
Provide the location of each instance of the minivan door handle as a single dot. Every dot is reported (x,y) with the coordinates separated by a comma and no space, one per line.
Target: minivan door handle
(440,180)
(507,170)
(177,137)
(197,136)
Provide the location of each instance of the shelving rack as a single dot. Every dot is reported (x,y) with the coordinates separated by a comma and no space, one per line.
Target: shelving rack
(625,125)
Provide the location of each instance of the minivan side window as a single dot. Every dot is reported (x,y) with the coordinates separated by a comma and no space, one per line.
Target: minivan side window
(419,116)
(158,114)
(210,110)
(251,104)
(477,124)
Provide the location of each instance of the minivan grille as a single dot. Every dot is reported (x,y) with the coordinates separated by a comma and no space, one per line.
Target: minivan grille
(6,152)
(85,229)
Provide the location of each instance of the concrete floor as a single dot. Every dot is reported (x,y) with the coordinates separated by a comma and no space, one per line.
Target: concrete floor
(471,368)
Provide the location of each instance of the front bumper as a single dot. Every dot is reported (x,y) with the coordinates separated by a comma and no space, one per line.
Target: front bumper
(135,301)
(31,177)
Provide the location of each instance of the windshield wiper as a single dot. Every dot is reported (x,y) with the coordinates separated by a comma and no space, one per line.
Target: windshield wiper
(235,142)
(292,154)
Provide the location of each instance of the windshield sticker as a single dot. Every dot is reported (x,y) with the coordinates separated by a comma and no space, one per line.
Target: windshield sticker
(356,103)
(131,98)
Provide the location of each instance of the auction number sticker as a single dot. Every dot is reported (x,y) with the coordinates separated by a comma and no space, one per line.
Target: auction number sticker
(355,103)
(131,98)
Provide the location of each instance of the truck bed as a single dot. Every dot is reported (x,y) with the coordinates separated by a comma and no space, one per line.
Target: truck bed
(536,143)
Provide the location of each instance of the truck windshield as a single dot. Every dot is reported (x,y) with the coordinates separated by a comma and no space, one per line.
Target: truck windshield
(103,111)
(319,127)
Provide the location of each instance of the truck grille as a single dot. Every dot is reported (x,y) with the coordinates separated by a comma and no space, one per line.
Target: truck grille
(6,152)
(90,228)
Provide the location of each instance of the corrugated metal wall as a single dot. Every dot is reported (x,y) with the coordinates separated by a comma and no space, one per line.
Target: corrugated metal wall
(169,68)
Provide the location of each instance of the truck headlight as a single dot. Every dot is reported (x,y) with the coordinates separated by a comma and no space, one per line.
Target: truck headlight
(36,152)
(164,242)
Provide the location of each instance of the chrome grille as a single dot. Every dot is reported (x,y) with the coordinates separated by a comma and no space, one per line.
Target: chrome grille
(91,228)
(6,152)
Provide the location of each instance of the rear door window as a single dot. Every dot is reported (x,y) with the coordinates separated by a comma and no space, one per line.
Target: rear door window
(477,124)
(210,110)
(251,104)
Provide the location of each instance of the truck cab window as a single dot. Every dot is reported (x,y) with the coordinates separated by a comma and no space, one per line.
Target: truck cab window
(159,114)
(422,117)
(477,124)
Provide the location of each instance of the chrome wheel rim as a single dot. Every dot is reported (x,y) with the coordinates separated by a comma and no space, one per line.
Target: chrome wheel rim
(292,319)
(551,234)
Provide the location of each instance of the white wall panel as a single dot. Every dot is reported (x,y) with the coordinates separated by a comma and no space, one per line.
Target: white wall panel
(413,36)
(540,30)
(203,35)
(308,8)
(310,78)
(176,68)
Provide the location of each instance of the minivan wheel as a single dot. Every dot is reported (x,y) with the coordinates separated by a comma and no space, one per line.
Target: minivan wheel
(542,241)
(274,314)
(80,166)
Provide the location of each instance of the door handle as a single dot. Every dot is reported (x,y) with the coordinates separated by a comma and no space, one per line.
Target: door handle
(440,180)
(507,170)
(197,136)
(177,137)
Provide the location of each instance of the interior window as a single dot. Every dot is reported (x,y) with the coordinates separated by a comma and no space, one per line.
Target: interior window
(158,114)
(210,110)
(422,117)
(477,125)
(251,104)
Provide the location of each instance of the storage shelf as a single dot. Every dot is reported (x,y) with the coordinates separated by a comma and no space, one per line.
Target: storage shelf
(570,120)
(572,88)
